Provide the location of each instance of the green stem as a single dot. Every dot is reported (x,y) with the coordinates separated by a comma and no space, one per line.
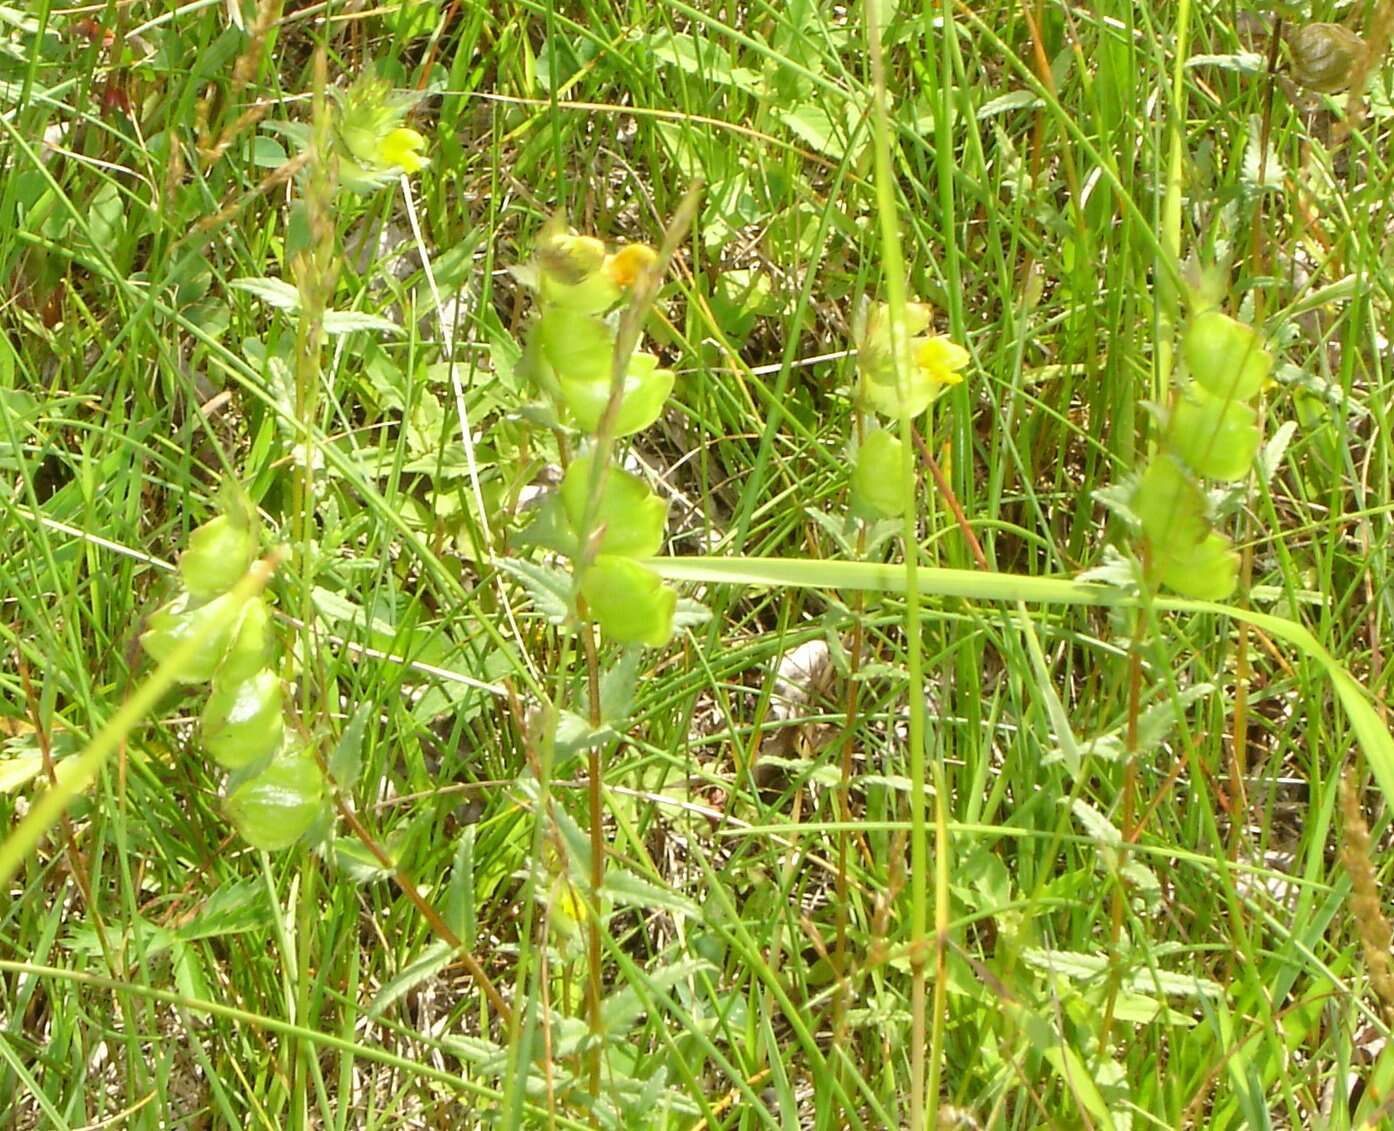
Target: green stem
(1168,297)
(893,265)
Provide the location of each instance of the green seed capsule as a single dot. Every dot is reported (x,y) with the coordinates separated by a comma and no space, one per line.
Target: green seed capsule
(250,650)
(274,808)
(244,722)
(218,555)
(1325,56)
(184,618)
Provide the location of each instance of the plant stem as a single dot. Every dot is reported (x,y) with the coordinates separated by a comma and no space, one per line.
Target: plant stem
(893,265)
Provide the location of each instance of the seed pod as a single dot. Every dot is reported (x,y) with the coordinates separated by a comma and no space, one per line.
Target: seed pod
(184,618)
(218,555)
(1325,56)
(243,722)
(274,808)
(250,650)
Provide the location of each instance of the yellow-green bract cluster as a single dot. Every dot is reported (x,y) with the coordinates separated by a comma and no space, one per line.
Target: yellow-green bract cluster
(901,370)
(275,791)
(1210,431)
(571,356)
(374,145)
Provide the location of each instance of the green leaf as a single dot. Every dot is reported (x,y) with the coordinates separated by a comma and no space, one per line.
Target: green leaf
(629,601)
(1214,437)
(878,484)
(1226,356)
(459,890)
(550,589)
(347,758)
(275,807)
(244,722)
(631,516)
(628,890)
(276,293)
(347,321)
(432,960)
(1170,506)
(1067,1064)
(812,125)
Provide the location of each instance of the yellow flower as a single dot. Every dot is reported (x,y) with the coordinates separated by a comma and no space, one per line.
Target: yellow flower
(402,149)
(928,363)
(941,359)
(627,264)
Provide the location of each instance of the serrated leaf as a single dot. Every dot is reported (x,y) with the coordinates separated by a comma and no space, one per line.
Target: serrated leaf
(628,890)
(550,589)
(349,321)
(347,757)
(429,963)
(276,293)
(459,890)
(620,1010)
(812,125)
(689,614)
(1014,100)
(1099,828)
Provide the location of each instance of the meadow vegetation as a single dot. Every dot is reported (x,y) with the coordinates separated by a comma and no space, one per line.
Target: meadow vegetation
(695,565)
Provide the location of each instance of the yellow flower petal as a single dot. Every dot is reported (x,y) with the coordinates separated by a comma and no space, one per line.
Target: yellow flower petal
(942,359)
(402,148)
(626,265)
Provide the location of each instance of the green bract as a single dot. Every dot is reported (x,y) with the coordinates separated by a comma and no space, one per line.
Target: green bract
(1170,506)
(1207,571)
(1214,437)
(577,345)
(274,808)
(1226,356)
(631,515)
(218,555)
(184,618)
(629,601)
(877,482)
(646,388)
(242,722)
(250,648)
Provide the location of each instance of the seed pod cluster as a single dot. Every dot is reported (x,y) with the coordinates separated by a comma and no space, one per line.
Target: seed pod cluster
(275,791)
